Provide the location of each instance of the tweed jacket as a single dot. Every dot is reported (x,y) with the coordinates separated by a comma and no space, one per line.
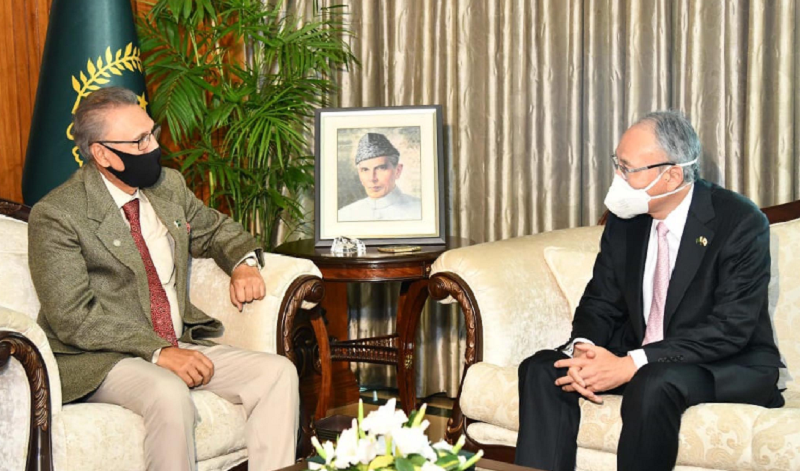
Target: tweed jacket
(91,281)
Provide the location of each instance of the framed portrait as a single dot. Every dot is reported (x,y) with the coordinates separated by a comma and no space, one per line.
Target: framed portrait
(379,175)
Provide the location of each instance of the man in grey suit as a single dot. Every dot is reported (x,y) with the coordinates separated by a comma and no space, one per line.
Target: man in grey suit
(109,259)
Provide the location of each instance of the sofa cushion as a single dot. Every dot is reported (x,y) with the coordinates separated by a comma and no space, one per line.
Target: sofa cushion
(784,296)
(18,293)
(572,269)
(91,436)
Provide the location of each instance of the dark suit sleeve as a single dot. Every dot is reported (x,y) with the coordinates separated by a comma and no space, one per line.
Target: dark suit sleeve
(740,296)
(61,278)
(214,235)
(601,310)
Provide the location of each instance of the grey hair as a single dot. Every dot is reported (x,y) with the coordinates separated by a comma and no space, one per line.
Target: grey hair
(88,123)
(677,138)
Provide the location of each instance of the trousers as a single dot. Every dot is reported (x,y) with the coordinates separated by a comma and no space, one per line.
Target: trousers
(652,405)
(266,385)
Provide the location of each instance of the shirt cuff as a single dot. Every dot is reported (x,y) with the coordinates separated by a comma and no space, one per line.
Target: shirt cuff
(568,350)
(249,255)
(156,355)
(639,357)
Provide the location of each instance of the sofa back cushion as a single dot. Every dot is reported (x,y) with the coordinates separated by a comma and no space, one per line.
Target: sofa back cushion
(784,297)
(17,291)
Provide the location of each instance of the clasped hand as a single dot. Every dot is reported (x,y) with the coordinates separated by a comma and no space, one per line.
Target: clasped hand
(594,369)
(247,285)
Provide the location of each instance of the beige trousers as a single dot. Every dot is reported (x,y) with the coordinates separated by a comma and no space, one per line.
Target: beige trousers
(265,384)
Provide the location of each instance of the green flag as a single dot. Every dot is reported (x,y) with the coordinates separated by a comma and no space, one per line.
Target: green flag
(90,44)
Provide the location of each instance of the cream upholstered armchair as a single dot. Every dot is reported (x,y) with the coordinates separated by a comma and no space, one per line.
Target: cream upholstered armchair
(518,297)
(38,432)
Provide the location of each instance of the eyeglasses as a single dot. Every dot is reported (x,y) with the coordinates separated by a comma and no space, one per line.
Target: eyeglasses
(625,171)
(142,143)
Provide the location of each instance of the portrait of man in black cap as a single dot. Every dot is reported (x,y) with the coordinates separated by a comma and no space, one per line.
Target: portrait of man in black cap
(378,166)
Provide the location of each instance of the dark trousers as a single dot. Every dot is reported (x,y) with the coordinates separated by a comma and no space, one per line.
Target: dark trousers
(652,405)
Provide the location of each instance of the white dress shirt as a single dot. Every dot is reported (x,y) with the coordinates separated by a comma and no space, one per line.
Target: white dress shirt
(675,221)
(159,243)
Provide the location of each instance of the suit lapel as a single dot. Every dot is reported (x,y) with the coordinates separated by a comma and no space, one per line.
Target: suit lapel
(174,218)
(113,233)
(638,237)
(697,234)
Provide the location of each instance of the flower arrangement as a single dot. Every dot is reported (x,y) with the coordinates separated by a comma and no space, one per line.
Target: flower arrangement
(388,440)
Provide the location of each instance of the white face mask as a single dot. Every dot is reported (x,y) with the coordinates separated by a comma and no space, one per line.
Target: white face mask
(627,202)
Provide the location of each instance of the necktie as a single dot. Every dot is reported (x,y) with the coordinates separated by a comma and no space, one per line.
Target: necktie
(655,321)
(159,305)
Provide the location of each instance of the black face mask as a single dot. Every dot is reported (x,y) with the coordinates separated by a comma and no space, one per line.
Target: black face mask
(141,170)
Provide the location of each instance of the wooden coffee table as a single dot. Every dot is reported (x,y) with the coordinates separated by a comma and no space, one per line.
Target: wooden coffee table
(484,464)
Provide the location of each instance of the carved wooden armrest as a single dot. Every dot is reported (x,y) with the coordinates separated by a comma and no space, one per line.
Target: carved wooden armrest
(16,345)
(444,285)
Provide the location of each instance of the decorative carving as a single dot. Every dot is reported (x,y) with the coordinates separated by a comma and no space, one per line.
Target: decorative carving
(383,349)
(444,284)
(305,288)
(14,344)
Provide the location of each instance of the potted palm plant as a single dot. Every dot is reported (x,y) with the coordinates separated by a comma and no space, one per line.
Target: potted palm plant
(237,83)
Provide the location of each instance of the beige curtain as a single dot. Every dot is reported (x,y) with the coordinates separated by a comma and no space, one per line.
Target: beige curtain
(537,93)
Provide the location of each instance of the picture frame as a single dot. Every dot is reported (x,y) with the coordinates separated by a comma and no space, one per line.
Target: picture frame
(379,175)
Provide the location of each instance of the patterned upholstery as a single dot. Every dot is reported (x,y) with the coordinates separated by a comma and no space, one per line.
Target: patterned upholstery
(552,271)
(92,436)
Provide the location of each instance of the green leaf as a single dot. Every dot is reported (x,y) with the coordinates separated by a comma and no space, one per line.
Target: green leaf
(403,464)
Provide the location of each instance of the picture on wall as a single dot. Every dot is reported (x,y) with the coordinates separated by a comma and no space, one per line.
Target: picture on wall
(379,175)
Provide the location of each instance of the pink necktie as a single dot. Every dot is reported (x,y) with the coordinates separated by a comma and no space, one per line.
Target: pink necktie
(655,321)
(159,304)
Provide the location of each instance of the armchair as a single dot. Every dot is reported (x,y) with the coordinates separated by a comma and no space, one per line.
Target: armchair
(518,297)
(37,432)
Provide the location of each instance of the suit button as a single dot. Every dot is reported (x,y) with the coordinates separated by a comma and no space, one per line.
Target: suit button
(117,243)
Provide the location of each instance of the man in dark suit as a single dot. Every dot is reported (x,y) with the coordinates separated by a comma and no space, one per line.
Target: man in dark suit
(675,314)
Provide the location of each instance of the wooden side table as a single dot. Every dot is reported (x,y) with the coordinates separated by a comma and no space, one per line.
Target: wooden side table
(412,269)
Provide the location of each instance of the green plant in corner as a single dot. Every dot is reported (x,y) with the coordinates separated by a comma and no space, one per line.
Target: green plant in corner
(237,83)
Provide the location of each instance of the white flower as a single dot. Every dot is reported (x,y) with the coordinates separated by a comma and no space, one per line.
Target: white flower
(428,466)
(385,420)
(444,446)
(347,448)
(327,447)
(413,441)
(368,449)
(314,466)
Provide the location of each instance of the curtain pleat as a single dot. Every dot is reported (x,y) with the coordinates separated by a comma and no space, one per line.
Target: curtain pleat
(536,94)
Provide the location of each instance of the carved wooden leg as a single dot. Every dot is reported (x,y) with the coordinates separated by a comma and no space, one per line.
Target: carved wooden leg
(321,334)
(412,300)
(13,344)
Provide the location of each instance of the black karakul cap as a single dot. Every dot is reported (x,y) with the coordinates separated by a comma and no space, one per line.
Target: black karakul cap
(373,145)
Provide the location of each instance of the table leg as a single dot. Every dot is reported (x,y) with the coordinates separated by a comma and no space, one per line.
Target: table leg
(413,295)
(344,387)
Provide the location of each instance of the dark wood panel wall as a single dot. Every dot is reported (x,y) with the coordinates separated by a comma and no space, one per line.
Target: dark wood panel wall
(23,28)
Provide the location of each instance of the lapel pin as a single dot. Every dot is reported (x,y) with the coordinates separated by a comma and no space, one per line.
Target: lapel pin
(178,223)
(702,241)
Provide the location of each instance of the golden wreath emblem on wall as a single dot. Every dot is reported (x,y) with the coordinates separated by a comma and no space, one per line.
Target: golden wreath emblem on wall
(99,73)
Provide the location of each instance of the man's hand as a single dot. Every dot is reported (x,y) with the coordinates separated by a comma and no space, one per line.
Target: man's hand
(246,285)
(193,367)
(573,381)
(600,370)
